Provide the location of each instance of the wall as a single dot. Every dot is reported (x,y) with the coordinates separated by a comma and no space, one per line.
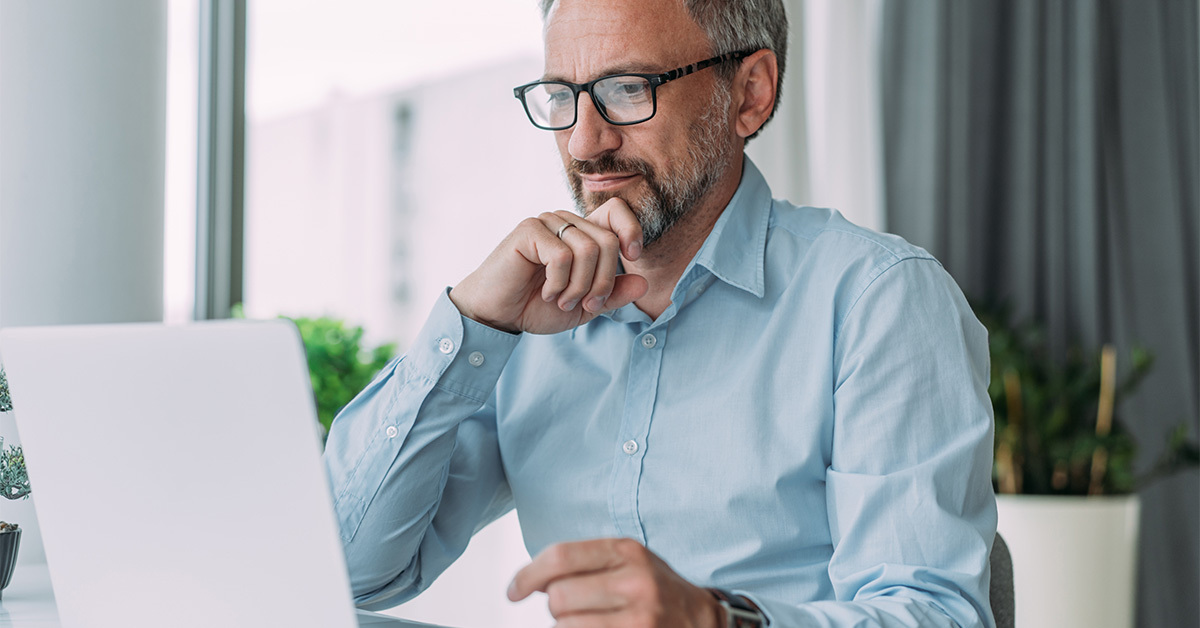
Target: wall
(82,143)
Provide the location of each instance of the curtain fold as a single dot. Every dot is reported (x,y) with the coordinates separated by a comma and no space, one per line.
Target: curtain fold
(1047,152)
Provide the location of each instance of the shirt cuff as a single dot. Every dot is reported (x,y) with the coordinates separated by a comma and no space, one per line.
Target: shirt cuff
(763,605)
(462,356)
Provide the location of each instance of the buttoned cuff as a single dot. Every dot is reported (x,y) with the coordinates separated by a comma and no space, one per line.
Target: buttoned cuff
(458,354)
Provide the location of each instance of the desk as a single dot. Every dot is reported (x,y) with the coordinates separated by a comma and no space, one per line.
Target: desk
(28,602)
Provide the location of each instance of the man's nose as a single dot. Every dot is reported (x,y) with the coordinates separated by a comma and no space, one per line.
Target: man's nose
(591,136)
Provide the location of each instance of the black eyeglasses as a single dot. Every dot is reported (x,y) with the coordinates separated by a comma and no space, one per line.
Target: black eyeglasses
(621,99)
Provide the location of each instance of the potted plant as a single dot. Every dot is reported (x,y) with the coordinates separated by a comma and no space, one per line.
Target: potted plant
(1066,489)
(339,366)
(14,484)
(338,363)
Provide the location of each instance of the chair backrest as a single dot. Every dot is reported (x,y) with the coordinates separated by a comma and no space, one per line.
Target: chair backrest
(1001,592)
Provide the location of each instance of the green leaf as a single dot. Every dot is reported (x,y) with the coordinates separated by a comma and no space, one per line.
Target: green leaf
(5,398)
(339,366)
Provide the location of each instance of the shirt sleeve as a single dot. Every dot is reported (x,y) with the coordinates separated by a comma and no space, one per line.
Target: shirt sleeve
(414,462)
(911,510)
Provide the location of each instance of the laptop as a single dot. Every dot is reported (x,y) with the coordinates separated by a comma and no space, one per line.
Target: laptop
(177,476)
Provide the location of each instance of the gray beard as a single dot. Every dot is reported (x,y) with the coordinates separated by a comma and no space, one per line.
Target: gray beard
(668,197)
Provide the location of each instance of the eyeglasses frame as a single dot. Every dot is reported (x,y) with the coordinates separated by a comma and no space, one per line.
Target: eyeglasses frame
(654,79)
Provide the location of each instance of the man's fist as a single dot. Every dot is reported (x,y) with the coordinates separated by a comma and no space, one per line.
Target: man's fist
(614,582)
(556,272)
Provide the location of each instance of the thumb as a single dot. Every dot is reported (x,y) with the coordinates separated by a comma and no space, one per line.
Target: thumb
(626,290)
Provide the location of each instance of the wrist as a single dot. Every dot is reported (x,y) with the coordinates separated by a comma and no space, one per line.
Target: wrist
(737,611)
(465,309)
(716,612)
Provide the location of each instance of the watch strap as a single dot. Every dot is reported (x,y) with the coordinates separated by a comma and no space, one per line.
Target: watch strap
(739,611)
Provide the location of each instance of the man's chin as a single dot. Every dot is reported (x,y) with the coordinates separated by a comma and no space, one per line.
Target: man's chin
(593,200)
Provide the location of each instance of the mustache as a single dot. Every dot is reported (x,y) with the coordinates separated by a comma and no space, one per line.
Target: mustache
(609,163)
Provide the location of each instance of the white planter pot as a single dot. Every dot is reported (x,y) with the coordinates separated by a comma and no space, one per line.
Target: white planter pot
(1074,559)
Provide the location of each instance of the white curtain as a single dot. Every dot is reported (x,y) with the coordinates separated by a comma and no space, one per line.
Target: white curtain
(823,147)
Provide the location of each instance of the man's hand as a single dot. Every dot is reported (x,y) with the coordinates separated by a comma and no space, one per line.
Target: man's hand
(614,582)
(540,283)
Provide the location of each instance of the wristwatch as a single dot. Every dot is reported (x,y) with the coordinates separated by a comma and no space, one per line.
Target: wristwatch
(739,612)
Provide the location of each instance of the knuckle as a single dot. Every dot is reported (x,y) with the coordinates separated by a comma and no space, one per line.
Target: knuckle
(644,585)
(631,587)
(556,599)
(603,286)
(629,549)
(561,257)
(532,223)
(556,557)
(608,240)
(589,250)
(564,214)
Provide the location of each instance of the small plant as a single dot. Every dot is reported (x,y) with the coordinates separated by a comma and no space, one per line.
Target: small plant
(14,479)
(1057,432)
(338,365)
(5,399)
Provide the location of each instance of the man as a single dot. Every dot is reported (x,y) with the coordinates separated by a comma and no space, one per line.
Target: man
(707,407)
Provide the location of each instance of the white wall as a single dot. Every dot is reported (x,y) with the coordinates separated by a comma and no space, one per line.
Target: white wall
(82,142)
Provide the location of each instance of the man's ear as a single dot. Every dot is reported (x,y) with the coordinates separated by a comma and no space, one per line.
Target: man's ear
(754,91)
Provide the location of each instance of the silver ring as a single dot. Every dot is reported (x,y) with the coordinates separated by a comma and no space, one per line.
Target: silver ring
(562,229)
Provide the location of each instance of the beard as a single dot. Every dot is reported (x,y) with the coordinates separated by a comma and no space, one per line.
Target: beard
(667,196)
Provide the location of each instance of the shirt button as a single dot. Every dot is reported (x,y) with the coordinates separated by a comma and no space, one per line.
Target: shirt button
(630,447)
(446,345)
(648,341)
(392,431)
(476,358)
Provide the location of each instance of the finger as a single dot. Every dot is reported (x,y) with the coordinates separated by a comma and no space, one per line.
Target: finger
(626,290)
(587,593)
(585,254)
(616,216)
(607,263)
(552,253)
(561,560)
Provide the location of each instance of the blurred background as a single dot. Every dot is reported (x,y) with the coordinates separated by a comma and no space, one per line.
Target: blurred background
(348,159)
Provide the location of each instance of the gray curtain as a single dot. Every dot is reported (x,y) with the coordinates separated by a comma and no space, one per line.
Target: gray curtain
(1047,152)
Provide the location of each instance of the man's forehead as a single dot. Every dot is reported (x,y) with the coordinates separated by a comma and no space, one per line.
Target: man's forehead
(588,38)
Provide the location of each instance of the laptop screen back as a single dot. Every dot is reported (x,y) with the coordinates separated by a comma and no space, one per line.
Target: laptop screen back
(177,477)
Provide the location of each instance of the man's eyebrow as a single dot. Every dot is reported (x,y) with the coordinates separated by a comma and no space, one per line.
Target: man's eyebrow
(626,68)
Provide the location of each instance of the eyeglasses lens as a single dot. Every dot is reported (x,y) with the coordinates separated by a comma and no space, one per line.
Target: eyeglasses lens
(621,99)
(550,105)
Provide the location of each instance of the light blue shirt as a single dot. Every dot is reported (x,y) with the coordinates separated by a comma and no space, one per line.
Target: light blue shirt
(807,424)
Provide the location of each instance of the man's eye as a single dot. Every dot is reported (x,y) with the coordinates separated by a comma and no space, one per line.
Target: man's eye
(559,98)
(628,92)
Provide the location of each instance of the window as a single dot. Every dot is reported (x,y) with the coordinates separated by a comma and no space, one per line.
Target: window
(386,155)
(179,263)
(385,158)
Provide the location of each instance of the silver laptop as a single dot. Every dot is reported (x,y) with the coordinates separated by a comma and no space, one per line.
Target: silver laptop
(177,477)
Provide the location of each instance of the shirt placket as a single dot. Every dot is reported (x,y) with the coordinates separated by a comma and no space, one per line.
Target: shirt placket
(645,363)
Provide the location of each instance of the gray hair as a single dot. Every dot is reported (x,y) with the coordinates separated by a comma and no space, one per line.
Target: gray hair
(733,25)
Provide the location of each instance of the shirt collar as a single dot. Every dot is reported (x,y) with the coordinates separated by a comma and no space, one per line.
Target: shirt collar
(735,249)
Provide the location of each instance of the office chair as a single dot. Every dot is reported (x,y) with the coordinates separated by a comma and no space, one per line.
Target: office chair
(1001,591)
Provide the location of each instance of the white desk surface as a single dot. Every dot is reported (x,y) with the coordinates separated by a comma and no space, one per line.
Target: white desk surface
(28,601)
